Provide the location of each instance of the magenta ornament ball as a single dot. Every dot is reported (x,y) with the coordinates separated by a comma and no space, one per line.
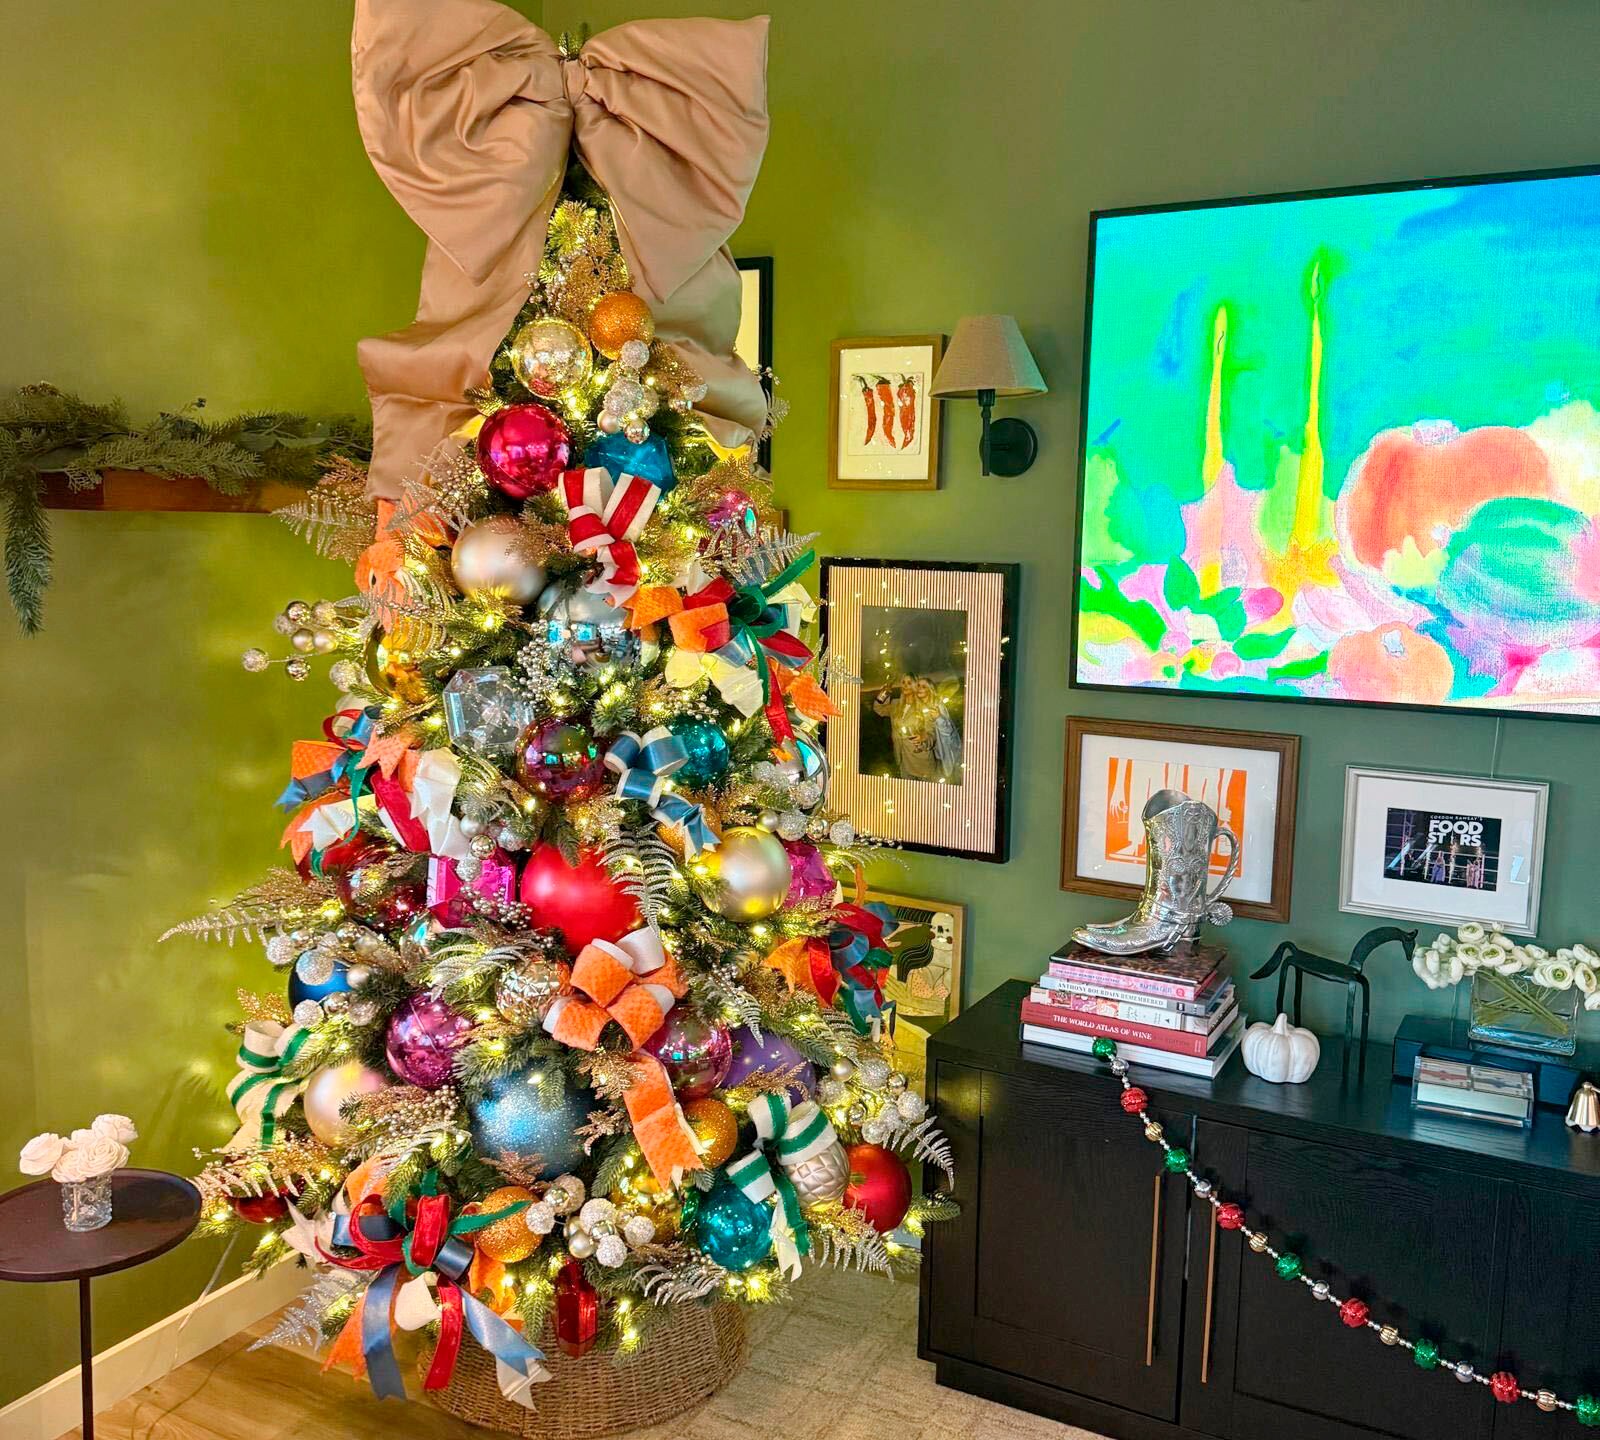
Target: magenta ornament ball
(696,1053)
(809,876)
(522,450)
(770,1052)
(423,1037)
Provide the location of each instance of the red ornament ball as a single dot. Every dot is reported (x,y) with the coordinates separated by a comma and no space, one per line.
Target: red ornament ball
(582,901)
(560,761)
(1503,1386)
(1230,1216)
(879,1185)
(259,1209)
(342,855)
(522,450)
(1354,1313)
(1134,1100)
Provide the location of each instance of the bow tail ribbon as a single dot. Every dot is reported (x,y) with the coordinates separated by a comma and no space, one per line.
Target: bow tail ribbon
(603,521)
(263,1091)
(643,766)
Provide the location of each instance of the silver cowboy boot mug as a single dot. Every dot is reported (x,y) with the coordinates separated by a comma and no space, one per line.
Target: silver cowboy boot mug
(1180,835)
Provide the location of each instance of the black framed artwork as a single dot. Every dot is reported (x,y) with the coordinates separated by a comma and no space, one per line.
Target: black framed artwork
(921,751)
(754,343)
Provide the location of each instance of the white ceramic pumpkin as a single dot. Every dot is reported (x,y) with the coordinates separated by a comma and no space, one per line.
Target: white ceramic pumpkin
(1280,1052)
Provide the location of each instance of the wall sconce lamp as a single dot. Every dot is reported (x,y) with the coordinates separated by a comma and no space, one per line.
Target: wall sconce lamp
(988,358)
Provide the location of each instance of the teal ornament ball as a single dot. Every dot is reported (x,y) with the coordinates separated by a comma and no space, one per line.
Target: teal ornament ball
(731,1228)
(514,1121)
(707,749)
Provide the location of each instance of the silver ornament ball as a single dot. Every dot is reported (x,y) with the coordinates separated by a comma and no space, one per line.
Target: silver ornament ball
(255,661)
(550,356)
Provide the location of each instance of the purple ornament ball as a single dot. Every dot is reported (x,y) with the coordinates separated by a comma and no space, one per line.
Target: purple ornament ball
(423,1037)
(770,1052)
(696,1053)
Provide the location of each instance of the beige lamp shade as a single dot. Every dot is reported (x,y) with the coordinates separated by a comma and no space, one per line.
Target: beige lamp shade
(988,352)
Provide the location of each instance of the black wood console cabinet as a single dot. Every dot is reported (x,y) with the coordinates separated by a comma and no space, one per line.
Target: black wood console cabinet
(1080,1282)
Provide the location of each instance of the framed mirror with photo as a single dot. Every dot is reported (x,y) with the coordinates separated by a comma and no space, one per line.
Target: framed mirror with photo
(1249,777)
(753,343)
(1446,849)
(921,751)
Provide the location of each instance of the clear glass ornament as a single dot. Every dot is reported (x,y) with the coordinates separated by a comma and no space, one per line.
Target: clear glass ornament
(484,712)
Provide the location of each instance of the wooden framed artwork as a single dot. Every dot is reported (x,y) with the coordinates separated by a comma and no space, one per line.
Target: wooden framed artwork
(924,983)
(753,344)
(883,423)
(1249,777)
(921,753)
(1446,849)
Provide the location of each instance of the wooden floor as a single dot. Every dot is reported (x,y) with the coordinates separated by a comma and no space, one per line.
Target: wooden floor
(840,1364)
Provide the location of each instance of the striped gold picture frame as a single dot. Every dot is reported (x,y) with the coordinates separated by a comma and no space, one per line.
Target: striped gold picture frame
(922,751)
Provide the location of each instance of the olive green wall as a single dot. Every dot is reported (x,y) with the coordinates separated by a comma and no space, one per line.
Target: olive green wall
(187,211)
(937,159)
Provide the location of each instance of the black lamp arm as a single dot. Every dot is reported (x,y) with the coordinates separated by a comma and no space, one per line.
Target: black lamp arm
(985,404)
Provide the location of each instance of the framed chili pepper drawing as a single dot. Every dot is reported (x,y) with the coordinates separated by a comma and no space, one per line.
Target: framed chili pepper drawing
(920,751)
(884,423)
(753,344)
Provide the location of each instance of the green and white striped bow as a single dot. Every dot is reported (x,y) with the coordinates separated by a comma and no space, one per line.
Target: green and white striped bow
(793,1136)
(262,1091)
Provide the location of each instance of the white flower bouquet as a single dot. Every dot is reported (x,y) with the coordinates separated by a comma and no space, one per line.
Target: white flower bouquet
(82,1164)
(1515,985)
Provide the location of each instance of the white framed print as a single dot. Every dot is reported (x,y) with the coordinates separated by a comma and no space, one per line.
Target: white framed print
(883,422)
(1443,848)
(1249,777)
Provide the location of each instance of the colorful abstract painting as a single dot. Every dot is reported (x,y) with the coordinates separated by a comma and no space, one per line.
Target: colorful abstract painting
(1347,448)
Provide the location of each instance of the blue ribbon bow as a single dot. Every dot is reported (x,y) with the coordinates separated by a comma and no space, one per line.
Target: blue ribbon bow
(643,767)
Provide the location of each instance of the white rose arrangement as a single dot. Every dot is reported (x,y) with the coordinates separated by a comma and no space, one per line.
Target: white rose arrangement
(85,1154)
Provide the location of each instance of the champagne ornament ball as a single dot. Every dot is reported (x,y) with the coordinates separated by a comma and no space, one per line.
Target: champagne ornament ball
(493,554)
(748,873)
(326,1093)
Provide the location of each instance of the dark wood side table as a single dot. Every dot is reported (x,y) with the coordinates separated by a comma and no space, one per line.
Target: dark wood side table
(151,1211)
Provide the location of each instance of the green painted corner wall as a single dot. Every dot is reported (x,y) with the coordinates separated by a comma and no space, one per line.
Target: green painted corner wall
(189,213)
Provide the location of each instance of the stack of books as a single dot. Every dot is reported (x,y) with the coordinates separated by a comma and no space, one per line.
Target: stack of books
(1174,1011)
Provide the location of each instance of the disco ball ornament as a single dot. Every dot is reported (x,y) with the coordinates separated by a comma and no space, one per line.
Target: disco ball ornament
(550,356)
(522,450)
(581,901)
(880,1186)
(514,1121)
(423,1037)
(747,875)
(508,1240)
(618,318)
(731,1228)
(822,1177)
(770,1052)
(695,1053)
(715,1126)
(588,630)
(707,749)
(807,763)
(326,1093)
(560,761)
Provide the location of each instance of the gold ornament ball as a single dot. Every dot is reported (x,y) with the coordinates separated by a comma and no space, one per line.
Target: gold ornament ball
(642,1192)
(748,873)
(493,554)
(507,1240)
(1258,1241)
(550,356)
(525,993)
(326,1093)
(618,318)
(715,1127)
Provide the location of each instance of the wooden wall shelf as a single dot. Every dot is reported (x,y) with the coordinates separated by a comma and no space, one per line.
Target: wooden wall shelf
(139,490)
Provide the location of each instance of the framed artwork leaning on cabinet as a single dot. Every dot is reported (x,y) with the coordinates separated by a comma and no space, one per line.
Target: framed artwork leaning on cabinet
(1250,778)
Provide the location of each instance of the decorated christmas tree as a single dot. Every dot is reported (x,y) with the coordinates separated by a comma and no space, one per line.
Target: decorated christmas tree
(579,1010)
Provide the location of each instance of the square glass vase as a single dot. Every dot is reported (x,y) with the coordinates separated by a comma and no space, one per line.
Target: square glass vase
(86,1204)
(1513,1010)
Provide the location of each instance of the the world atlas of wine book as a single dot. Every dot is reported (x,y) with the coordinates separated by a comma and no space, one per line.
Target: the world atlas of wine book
(1206,1067)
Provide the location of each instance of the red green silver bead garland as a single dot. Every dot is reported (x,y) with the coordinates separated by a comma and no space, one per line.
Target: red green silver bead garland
(1352,1312)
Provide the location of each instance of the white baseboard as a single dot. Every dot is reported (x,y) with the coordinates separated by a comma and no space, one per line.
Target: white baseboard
(142,1359)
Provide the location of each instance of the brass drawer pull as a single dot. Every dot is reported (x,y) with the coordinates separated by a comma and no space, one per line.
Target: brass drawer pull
(1155,1261)
(1211,1284)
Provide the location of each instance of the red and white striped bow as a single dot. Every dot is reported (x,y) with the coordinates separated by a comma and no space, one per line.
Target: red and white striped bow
(603,520)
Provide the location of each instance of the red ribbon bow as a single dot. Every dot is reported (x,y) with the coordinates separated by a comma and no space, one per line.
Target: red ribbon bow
(604,520)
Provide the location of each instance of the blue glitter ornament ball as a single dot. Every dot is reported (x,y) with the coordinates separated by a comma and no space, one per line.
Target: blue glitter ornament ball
(302,989)
(513,1122)
(708,752)
(620,456)
(731,1228)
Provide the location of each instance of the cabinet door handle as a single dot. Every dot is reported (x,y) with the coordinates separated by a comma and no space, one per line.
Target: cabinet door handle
(1155,1261)
(1211,1284)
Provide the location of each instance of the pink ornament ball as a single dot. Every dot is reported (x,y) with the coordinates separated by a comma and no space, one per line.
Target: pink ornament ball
(424,1035)
(696,1054)
(522,450)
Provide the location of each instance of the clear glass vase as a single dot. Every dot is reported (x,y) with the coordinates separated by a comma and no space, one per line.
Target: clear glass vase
(86,1204)
(1513,1010)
